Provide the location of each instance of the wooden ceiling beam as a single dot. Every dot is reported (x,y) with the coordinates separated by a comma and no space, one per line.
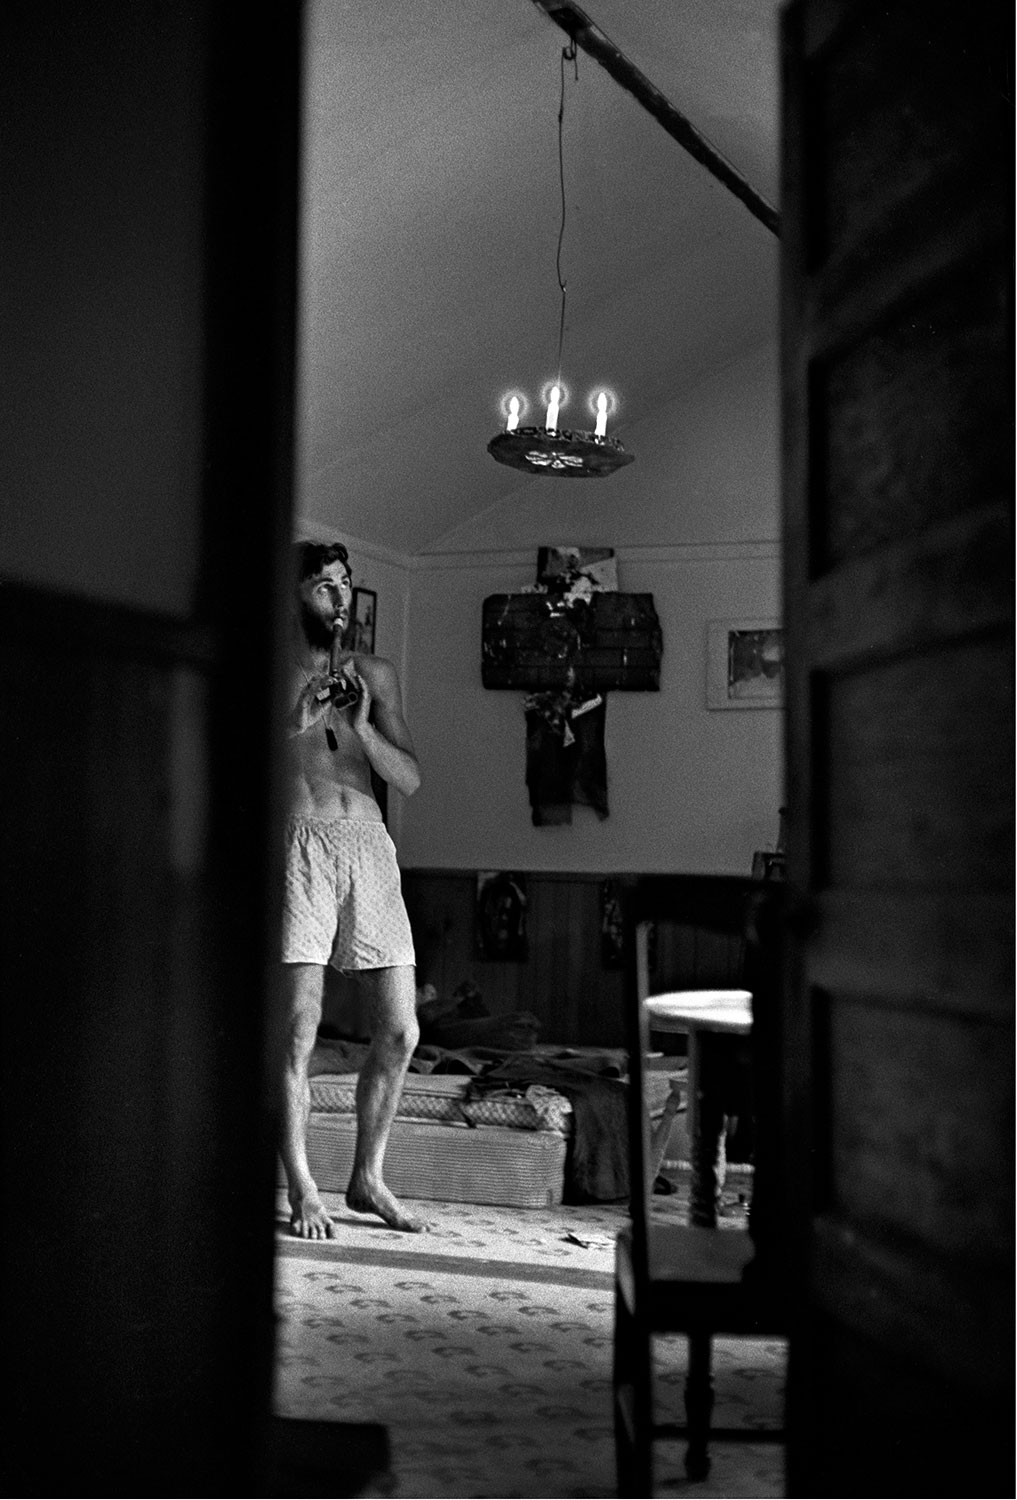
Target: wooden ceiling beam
(585,34)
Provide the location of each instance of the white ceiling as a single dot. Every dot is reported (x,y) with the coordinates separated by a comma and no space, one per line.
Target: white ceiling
(431,214)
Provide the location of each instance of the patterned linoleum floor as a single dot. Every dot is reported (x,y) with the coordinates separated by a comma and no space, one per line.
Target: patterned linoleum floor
(485,1348)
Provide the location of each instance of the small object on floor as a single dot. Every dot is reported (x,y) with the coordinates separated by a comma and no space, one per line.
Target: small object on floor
(589,1241)
(662,1184)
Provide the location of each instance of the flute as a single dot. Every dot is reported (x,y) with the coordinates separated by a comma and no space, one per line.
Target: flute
(345,692)
(336,650)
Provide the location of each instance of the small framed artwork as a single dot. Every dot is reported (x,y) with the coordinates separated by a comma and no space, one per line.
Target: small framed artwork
(744,664)
(612,929)
(500,915)
(612,932)
(365,607)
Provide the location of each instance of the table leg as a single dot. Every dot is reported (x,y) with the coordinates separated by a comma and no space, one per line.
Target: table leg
(706,1132)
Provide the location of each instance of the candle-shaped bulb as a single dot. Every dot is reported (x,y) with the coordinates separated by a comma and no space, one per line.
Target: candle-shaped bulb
(513,416)
(552,409)
(601,415)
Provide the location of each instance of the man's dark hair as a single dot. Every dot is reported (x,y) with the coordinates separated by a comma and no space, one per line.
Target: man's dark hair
(311,558)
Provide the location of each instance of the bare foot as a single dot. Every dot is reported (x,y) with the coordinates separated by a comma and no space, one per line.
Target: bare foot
(368,1198)
(308,1218)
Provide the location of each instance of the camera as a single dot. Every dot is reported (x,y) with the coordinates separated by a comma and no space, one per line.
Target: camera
(345,693)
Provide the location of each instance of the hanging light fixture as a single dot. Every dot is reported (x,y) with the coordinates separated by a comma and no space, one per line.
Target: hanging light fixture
(551,449)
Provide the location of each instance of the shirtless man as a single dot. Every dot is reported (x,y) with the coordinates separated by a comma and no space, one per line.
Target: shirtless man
(343,902)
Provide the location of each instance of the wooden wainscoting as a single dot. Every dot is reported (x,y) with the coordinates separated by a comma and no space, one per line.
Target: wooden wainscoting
(564,979)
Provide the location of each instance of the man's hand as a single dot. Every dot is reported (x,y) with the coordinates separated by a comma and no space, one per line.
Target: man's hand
(312,702)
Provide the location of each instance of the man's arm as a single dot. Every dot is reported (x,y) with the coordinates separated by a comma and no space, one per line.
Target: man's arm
(386,742)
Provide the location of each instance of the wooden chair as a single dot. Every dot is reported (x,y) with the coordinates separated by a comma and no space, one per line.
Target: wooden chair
(698,1281)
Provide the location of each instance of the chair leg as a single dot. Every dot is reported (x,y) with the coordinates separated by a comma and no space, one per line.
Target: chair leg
(633,1412)
(698,1405)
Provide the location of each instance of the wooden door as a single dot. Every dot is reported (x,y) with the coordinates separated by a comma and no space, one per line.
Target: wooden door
(149,254)
(898,565)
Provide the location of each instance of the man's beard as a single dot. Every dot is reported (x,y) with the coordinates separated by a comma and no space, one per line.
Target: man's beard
(317,634)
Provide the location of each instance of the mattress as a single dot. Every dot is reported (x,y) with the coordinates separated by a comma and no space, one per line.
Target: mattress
(446,1161)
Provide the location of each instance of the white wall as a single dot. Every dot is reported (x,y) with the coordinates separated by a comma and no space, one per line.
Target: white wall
(689,788)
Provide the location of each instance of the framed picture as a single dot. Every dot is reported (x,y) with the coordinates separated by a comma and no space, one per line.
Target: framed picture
(365,606)
(744,664)
(500,915)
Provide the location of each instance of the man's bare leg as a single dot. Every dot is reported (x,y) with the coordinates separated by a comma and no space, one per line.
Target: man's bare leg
(303,986)
(392,996)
